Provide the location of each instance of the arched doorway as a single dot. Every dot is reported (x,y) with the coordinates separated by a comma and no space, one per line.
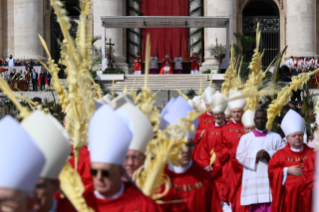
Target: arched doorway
(267,14)
(72,7)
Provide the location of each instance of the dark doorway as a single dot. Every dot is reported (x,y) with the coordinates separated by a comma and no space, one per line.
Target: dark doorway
(267,14)
(72,7)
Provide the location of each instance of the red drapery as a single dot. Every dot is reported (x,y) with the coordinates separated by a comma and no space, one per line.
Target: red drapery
(168,41)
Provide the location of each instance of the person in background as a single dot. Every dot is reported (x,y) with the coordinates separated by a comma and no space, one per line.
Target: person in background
(178,67)
(137,64)
(154,64)
(11,61)
(296,94)
(34,78)
(195,64)
(49,77)
(166,66)
(224,64)
(42,80)
(105,63)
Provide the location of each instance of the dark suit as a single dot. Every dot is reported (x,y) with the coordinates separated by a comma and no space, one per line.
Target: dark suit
(42,80)
(296,94)
(34,77)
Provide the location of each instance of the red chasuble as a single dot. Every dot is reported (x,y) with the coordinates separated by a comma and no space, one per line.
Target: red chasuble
(289,198)
(84,166)
(194,63)
(231,168)
(131,200)
(191,191)
(163,66)
(138,64)
(211,140)
(205,120)
(310,170)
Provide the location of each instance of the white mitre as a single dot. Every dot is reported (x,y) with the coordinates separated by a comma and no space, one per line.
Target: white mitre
(220,101)
(121,100)
(208,94)
(199,104)
(169,103)
(109,136)
(292,122)
(248,118)
(237,103)
(178,109)
(227,111)
(52,139)
(21,159)
(142,128)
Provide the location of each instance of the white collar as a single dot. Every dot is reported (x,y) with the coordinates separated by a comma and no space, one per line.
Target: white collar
(296,150)
(234,121)
(179,169)
(114,196)
(208,113)
(260,131)
(217,125)
(54,206)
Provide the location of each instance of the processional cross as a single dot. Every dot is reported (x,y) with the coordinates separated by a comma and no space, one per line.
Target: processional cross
(110,44)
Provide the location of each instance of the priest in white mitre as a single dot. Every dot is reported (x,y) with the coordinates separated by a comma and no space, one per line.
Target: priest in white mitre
(21,161)
(154,64)
(53,140)
(142,135)
(254,151)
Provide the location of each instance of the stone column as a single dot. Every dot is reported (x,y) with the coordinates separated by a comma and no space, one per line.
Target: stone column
(28,23)
(111,8)
(218,8)
(301,28)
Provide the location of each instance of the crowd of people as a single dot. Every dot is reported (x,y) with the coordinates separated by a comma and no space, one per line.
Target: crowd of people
(231,162)
(40,81)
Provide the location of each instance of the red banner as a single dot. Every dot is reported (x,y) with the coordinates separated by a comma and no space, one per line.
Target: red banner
(167,41)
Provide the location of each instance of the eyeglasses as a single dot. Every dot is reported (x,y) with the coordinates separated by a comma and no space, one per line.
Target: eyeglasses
(104,173)
(217,114)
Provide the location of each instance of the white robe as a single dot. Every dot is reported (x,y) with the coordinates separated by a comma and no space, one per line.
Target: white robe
(255,181)
(105,63)
(153,62)
(178,63)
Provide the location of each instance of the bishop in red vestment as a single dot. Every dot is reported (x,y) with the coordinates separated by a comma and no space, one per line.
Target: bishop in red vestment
(127,200)
(166,66)
(209,144)
(56,149)
(108,147)
(195,64)
(192,188)
(286,168)
(137,64)
(206,119)
(226,152)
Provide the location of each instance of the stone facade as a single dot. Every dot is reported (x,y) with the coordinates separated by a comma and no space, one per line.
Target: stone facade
(22,20)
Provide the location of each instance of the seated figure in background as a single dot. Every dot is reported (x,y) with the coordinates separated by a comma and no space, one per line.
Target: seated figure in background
(166,67)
